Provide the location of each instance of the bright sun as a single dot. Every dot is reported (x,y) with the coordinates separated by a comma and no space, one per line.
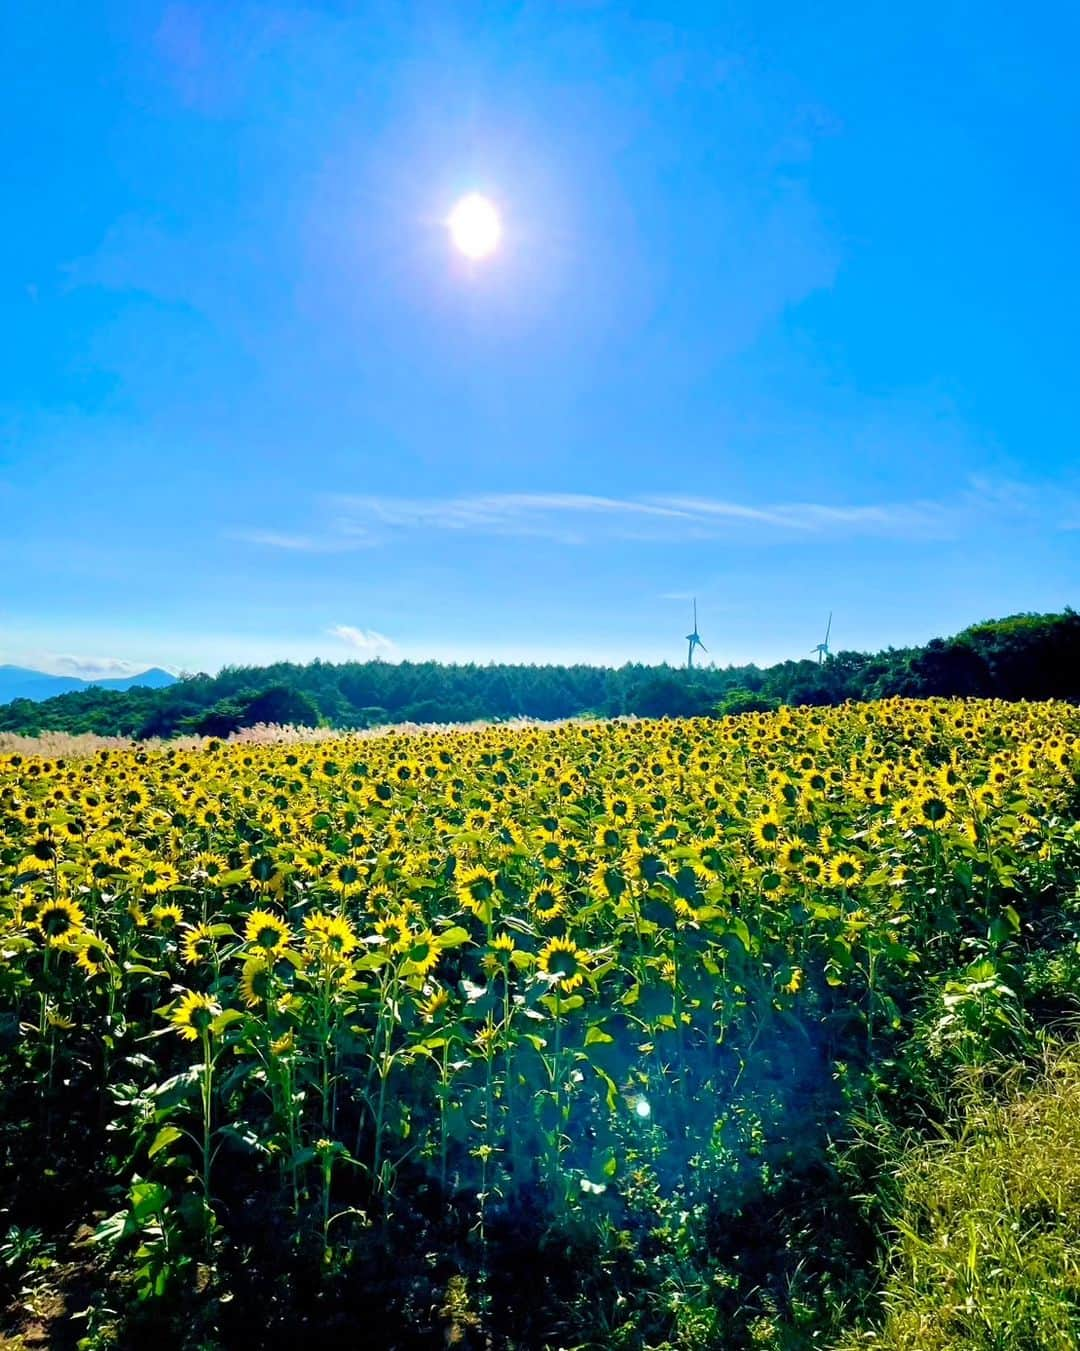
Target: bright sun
(475,226)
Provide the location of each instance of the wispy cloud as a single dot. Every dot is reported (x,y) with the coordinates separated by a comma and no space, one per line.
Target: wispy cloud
(1042,505)
(86,668)
(334,543)
(366,641)
(94,668)
(549,515)
(364,521)
(579,516)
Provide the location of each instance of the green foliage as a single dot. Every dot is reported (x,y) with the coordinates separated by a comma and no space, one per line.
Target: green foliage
(281,705)
(741,700)
(1026,656)
(975,1017)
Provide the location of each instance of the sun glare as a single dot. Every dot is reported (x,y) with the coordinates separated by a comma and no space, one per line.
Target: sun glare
(474,226)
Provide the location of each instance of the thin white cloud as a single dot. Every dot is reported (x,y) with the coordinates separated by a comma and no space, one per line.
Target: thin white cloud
(1002,495)
(92,667)
(581,516)
(1055,506)
(343,542)
(366,641)
(364,521)
(710,509)
(895,518)
(85,668)
(493,511)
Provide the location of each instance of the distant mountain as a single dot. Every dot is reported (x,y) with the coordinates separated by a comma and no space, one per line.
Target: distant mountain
(20,682)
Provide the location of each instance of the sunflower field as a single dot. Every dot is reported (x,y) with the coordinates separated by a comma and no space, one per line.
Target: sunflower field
(542,1037)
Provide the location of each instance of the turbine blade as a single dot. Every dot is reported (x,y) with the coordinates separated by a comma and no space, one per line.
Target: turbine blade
(828,628)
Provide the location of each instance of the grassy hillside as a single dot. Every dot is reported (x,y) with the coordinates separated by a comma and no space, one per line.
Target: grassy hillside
(1025,656)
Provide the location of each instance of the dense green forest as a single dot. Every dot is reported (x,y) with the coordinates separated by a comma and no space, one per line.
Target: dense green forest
(1022,657)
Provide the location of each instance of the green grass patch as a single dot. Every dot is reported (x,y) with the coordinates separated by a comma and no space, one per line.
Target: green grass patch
(987,1222)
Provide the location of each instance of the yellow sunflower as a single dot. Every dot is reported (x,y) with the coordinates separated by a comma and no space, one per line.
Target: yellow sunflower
(155,877)
(194,1014)
(434,1004)
(421,954)
(167,918)
(198,944)
(264,930)
(59,920)
(932,810)
(94,954)
(814,868)
(27,910)
(766,833)
(563,963)
(844,870)
(546,903)
(476,891)
(43,854)
(255,981)
(329,935)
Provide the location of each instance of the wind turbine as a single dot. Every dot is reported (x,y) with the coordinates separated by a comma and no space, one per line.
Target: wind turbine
(822,649)
(694,640)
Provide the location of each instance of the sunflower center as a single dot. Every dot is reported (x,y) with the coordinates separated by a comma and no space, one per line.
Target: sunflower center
(55,922)
(563,964)
(935,809)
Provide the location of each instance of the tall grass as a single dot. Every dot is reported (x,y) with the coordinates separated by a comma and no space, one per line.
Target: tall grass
(71,745)
(986,1220)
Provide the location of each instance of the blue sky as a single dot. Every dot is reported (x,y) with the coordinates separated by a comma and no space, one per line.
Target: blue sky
(783,318)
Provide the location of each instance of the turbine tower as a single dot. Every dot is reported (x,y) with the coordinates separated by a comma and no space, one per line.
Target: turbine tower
(694,640)
(822,649)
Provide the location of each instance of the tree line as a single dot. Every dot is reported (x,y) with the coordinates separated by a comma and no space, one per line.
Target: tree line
(1027,656)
